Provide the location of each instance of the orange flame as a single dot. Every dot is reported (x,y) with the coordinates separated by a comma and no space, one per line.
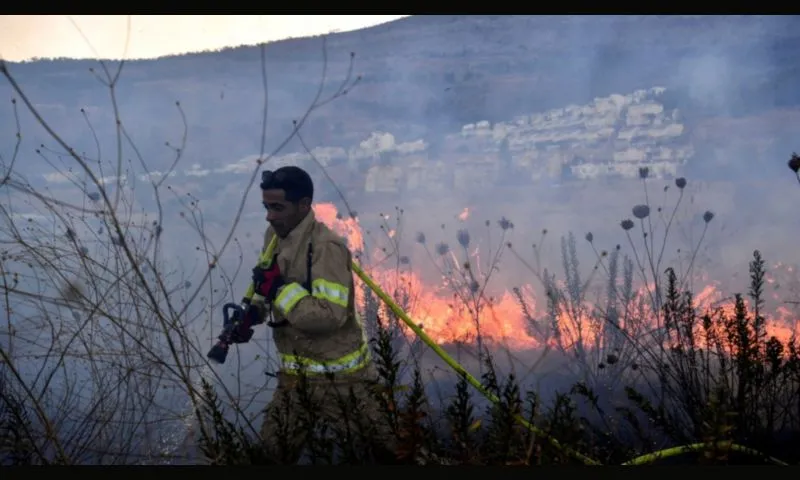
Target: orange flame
(450,313)
(346,227)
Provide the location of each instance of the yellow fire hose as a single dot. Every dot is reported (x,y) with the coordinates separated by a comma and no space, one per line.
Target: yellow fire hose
(641,460)
(395,308)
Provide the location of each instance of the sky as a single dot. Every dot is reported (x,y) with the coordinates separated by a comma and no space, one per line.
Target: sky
(23,37)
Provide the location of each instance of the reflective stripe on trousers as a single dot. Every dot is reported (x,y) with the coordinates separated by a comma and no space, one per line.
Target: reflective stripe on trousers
(347,364)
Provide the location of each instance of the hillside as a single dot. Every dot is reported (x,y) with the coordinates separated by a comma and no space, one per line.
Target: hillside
(427,76)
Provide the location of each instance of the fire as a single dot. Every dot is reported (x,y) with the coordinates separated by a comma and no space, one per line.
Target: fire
(451,315)
(346,227)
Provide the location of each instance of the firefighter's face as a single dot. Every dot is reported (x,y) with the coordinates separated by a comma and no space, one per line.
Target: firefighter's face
(282,214)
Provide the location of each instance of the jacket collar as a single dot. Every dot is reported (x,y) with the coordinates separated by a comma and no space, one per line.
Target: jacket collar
(302,229)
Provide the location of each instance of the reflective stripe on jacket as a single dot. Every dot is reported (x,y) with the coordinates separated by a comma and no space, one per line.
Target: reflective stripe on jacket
(324,333)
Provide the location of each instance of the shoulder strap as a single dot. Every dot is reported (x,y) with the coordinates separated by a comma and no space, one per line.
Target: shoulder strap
(309,258)
(266,255)
(266,258)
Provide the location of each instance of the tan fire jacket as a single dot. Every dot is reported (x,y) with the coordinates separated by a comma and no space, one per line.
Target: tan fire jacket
(324,333)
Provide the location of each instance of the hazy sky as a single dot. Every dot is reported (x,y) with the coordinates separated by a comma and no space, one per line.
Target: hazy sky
(25,36)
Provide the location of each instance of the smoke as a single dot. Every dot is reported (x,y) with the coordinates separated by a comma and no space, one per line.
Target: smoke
(731,80)
(704,77)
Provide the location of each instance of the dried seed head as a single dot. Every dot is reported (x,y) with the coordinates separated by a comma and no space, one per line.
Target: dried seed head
(641,211)
(708,216)
(626,224)
(421,238)
(589,237)
(794,163)
(505,224)
(643,172)
(442,248)
(463,238)
(680,182)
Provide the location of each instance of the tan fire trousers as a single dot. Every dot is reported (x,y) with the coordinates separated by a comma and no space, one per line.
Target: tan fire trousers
(354,426)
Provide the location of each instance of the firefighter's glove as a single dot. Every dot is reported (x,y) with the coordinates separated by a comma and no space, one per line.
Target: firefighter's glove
(267,281)
(240,330)
(252,313)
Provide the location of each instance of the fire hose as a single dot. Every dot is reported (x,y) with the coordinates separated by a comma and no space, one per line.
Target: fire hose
(641,460)
(458,368)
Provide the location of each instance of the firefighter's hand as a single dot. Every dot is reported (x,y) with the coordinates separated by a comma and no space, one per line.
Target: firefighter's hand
(241,331)
(267,281)
(253,315)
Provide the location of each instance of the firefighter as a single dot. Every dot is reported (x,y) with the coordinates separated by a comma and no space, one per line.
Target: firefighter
(304,280)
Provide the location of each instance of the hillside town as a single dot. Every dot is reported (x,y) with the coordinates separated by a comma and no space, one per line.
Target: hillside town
(611,136)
